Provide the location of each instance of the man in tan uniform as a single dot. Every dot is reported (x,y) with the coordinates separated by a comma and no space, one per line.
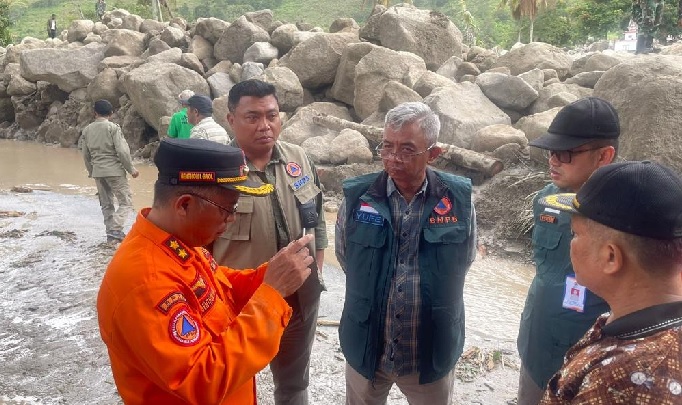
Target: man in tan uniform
(107,158)
(265,225)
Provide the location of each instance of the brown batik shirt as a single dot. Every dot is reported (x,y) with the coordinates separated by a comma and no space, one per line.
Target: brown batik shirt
(635,359)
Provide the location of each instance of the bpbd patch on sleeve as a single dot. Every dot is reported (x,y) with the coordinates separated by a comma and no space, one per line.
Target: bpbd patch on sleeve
(183,328)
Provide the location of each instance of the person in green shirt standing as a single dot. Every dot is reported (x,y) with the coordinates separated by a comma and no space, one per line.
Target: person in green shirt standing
(179,126)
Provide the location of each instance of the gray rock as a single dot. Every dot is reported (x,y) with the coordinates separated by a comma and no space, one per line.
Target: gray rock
(261,52)
(201,47)
(301,127)
(429,81)
(397,93)
(536,55)
(251,70)
(105,86)
(237,38)
(220,84)
(79,30)
(343,88)
(171,55)
(289,89)
(68,69)
(350,146)
(151,26)
(262,18)
(449,67)
(585,79)
(190,61)
(534,126)
(558,95)
(123,42)
(174,37)
(157,46)
(535,78)
(492,137)
(344,25)
(211,28)
(507,91)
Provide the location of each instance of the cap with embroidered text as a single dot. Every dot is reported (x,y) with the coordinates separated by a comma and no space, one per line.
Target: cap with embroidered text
(200,162)
(585,120)
(639,198)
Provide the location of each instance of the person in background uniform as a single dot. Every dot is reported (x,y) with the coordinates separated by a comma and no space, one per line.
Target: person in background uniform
(107,159)
(558,311)
(200,114)
(626,247)
(52,27)
(179,126)
(100,8)
(264,225)
(180,329)
(405,237)
(647,14)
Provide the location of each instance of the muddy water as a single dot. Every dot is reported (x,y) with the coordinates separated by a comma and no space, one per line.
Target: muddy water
(494,292)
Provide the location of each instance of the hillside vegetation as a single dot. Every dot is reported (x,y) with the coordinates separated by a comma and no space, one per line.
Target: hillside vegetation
(485,22)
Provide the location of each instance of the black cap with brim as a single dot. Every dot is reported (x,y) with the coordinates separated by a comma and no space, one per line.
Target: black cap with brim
(639,198)
(583,121)
(199,162)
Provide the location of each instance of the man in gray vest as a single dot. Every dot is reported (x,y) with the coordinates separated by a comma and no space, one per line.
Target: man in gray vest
(107,159)
(582,137)
(406,237)
(265,225)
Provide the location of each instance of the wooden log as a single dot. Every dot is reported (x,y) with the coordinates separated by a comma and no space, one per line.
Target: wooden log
(325,322)
(373,134)
(467,159)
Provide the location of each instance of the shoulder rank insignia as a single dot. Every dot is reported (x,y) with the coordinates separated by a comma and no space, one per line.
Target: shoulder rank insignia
(179,250)
(183,328)
(293,169)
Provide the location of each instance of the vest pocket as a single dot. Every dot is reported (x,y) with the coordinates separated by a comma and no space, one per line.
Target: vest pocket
(354,329)
(545,241)
(446,234)
(447,338)
(240,229)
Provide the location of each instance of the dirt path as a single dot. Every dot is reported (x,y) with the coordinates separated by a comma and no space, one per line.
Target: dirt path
(51,262)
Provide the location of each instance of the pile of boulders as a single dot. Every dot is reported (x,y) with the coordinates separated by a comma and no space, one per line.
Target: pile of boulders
(490,102)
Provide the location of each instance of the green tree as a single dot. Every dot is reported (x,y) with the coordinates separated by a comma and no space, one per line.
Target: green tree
(596,18)
(5,24)
(526,8)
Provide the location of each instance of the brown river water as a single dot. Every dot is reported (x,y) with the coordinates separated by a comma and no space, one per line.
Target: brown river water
(495,288)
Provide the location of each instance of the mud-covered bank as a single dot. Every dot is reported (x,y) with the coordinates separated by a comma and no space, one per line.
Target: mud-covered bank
(52,258)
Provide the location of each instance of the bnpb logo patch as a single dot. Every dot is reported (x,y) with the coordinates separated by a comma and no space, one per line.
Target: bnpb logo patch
(183,329)
(293,169)
(443,207)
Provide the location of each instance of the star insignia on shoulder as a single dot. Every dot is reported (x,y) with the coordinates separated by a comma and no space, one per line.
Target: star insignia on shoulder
(178,249)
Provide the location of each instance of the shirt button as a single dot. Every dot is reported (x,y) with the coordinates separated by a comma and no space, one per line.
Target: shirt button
(395,340)
(402,261)
(397,316)
(400,289)
(404,234)
(407,212)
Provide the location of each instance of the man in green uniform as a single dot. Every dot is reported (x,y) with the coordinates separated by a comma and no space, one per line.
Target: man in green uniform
(582,137)
(647,14)
(180,127)
(107,158)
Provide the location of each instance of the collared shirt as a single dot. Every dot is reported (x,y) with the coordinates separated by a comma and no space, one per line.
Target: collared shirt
(211,130)
(635,359)
(404,299)
(105,151)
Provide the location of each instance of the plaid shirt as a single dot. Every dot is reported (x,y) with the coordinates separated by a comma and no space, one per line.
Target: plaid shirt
(404,300)
(636,359)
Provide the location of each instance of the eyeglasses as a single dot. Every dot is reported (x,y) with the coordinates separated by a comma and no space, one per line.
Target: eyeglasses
(383,151)
(566,156)
(227,212)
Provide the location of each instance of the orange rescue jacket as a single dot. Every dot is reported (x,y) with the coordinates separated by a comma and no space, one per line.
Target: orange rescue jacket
(182,330)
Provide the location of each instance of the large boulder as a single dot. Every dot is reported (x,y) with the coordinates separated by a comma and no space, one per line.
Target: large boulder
(6,110)
(350,146)
(316,60)
(105,86)
(585,79)
(79,30)
(492,137)
(201,47)
(302,126)
(463,109)
(70,69)
(429,81)
(174,37)
(535,126)
(536,55)
(220,84)
(397,93)
(237,38)
(289,89)
(261,52)
(596,61)
(343,88)
(558,95)
(428,34)
(376,69)
(262,18)
(153,88)
(211,28)
(151,26)
(647,93)
(171,55)
(507,91)
(124,42)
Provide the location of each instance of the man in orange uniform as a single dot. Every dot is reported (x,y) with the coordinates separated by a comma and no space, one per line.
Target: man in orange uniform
(179,328)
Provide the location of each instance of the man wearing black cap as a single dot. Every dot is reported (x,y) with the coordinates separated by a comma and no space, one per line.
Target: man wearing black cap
(582,137)
(200,114)
(107,158)
(264,225)
(627,247)
(179,328)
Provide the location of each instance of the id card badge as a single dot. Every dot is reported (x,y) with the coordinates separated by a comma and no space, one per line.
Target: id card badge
(574,295)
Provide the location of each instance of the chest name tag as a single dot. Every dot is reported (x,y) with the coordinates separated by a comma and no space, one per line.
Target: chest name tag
(368,218)
(574,295)
(301,182)
(551,219)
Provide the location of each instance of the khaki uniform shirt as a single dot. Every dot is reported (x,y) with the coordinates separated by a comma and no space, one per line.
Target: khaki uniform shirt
(105,150)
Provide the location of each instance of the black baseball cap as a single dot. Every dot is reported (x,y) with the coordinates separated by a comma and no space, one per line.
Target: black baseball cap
(103,108)
(203,104)
(585,120)
(200,162)
(640,198)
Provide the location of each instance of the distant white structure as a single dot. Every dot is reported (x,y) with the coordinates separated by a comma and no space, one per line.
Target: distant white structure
(629,41)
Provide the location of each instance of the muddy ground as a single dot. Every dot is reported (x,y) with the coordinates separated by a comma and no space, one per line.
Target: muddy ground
(52,258)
